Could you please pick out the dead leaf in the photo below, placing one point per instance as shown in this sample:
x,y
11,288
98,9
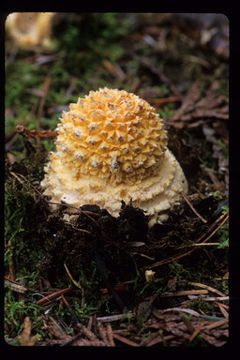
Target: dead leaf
x,y
196,110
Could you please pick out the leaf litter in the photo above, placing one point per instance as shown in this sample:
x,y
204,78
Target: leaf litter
x,y
107,257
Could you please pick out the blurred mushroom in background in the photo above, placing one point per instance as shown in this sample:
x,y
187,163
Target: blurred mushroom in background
x,y
30,29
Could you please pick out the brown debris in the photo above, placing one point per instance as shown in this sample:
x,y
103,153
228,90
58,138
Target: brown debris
x,y
176,330
125,340
85,342
188,328
25,339
204,238
155,318
54,328
157,71
115,70
85,337
102,333
110,335
88,333
212,174
212,106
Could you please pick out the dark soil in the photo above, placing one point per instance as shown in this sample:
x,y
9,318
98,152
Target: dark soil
x,y
106,258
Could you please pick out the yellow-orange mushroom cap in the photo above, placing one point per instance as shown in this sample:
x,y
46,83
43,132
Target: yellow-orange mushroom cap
x,y
29,29
112,146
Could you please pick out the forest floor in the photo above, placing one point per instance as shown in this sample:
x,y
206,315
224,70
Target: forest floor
x,y
87,285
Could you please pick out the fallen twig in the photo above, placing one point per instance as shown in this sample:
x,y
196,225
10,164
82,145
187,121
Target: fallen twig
x,y
223,310
216,298
54,328
110,335
188,311
88,333
25,339
187,292
66,303
70,340
209,288
196,331
57,342
90,321
111,318
77,284
14,286
102,333
193,209
157,102
124,340
20,129
52,296
217,324
86,342
181,255
160,339
205,244
188,103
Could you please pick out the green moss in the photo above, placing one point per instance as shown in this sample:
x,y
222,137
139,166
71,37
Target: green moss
x,y
224,86
83,312
225,149
199,305
179,271
223,232
19,77
81,43
167,111
16,310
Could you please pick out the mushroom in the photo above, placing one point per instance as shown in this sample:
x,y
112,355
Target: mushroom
x,y
112,146
30,28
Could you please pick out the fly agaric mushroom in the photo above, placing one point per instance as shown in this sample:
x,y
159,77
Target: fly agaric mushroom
x,y
112,146
30,28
